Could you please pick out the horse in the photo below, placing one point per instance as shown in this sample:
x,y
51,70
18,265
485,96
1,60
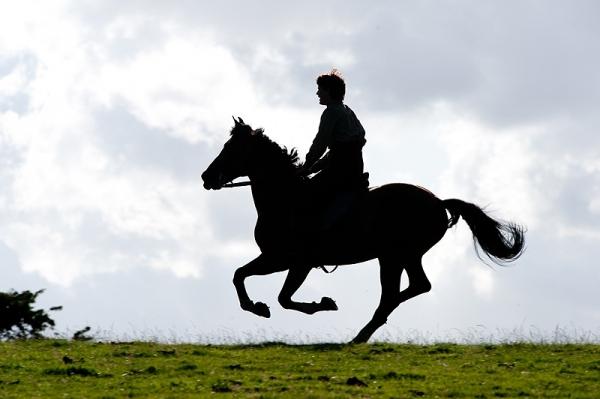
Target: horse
x,y
396,223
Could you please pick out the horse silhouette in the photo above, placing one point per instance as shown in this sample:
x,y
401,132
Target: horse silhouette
x,y
395,223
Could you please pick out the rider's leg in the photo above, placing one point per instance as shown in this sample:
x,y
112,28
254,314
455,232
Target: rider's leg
x,y
336,188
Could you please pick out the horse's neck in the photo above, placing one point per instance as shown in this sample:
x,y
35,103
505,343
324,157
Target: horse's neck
x,y
274,182
272,195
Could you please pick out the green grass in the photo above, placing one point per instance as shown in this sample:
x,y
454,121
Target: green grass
x,y
71,369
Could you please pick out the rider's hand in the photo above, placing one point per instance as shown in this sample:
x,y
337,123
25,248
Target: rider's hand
x,y
303,171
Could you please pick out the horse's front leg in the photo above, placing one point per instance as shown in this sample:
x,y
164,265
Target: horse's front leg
x,y
260,266
295,278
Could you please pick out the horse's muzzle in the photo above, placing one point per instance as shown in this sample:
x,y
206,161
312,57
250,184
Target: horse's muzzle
x,y
208,186
213,181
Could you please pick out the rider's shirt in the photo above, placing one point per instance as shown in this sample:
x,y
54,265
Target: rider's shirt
x,y
339,125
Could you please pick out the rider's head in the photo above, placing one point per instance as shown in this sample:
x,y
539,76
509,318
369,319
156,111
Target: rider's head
x,y
333,84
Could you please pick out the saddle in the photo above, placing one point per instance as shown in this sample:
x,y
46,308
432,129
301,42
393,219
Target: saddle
x,y
323,215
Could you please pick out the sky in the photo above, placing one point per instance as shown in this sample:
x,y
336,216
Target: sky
x,y
110,111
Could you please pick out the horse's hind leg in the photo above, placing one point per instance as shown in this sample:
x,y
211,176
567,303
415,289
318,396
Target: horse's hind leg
x,y
391,296
390,272
295,278
259,266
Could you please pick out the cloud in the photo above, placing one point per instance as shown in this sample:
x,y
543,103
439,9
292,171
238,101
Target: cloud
x,y
103,164
506,63
185,89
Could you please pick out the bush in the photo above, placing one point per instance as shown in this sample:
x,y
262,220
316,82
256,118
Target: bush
x,y
18,319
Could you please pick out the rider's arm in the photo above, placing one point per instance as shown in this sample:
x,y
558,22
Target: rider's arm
x,y
320,164
322,139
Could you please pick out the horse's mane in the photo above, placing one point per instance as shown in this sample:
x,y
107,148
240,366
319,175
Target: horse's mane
x,y
288,158
269,151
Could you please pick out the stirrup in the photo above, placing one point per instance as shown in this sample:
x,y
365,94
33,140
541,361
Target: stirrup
x,y
329,271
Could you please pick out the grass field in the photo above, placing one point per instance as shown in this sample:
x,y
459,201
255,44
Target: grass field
x,y
72,369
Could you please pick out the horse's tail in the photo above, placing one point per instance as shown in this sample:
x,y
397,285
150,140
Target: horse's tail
x,y
501,242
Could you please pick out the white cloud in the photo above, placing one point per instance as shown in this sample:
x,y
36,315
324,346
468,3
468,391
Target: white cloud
x,y
495,168
71,207
187,89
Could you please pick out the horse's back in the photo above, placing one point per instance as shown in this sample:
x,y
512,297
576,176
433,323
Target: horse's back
x,y
401,195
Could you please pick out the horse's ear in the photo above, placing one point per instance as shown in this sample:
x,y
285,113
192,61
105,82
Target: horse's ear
x,y
238,121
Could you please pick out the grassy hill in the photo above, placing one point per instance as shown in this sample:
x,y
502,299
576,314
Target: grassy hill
x,y
73,369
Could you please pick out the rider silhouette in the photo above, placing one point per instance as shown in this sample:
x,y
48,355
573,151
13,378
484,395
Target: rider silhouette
x,y
340,170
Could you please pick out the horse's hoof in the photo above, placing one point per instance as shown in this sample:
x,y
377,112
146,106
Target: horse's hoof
x,y
361,338
261,309
328,303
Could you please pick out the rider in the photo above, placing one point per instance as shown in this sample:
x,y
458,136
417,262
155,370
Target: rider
x,y
340,170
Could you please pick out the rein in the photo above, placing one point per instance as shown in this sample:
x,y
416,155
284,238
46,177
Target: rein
x,y
239,184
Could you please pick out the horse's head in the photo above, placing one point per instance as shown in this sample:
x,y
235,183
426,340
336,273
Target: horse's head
x,y
234,159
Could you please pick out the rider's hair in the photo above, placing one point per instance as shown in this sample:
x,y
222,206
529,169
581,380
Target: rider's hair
x,y
334,83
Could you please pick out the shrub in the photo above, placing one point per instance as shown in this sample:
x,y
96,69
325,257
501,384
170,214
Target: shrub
x,y
18,319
